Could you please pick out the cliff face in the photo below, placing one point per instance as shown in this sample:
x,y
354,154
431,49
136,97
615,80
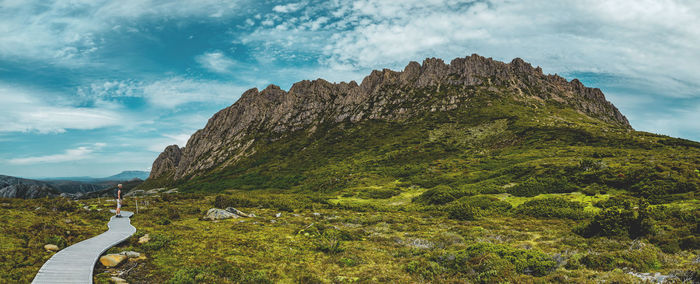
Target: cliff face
x,y
384,95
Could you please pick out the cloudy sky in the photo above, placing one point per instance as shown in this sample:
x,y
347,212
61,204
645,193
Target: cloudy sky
x,y
91,88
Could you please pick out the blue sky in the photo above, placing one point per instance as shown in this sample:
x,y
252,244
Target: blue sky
x,y
91,88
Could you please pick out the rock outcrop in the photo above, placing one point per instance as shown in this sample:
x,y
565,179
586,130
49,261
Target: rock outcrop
x,y
166,162
13,187
219,214
386,95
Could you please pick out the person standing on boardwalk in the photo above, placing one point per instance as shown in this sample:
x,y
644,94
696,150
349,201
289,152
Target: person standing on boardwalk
x,y
119,200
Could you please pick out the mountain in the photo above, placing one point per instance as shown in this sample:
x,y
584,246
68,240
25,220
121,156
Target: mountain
x,y
127,175
79,179
123,176
424,125
13,187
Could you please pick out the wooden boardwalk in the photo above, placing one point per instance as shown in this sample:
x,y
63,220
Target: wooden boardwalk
x,y
75,263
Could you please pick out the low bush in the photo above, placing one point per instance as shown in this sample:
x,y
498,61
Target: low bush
x,y
158,241
492,261
427,270
223,201
619,221
287,203
330,241
441,194
536,186
594,188
57,240
617,201
639,256
555,207
462,211
659,191
486,204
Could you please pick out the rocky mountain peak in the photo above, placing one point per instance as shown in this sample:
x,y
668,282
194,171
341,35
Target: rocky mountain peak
x,y
386,94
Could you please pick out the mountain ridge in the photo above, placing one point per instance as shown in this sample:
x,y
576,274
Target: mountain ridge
x,y
383,95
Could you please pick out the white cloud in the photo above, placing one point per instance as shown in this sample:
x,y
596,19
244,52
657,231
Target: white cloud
x,y
288,8
67,31
165,93
26,111
80,153
170,93
215,61
179,139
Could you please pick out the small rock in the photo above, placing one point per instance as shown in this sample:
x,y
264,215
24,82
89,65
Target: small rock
x,y
278,215
238,212
51,247
219,214
117,280
142,257
112,260
144,239
67,221
131,254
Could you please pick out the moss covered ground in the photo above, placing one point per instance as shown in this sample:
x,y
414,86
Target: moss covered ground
x,y
336,239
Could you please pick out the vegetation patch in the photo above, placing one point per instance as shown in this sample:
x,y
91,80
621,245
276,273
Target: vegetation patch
x,y
553,207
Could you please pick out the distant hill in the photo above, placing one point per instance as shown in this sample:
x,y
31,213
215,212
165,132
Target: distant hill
x,y
123,176
127,175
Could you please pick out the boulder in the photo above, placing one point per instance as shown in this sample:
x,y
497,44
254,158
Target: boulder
x,y
131,254
144,239
51,247
239,212
219,214
112,260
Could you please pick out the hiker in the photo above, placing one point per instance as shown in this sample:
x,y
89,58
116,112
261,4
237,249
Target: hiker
x,y
119,200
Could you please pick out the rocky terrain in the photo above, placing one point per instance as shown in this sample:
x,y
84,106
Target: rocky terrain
x,y
232,133
13,187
